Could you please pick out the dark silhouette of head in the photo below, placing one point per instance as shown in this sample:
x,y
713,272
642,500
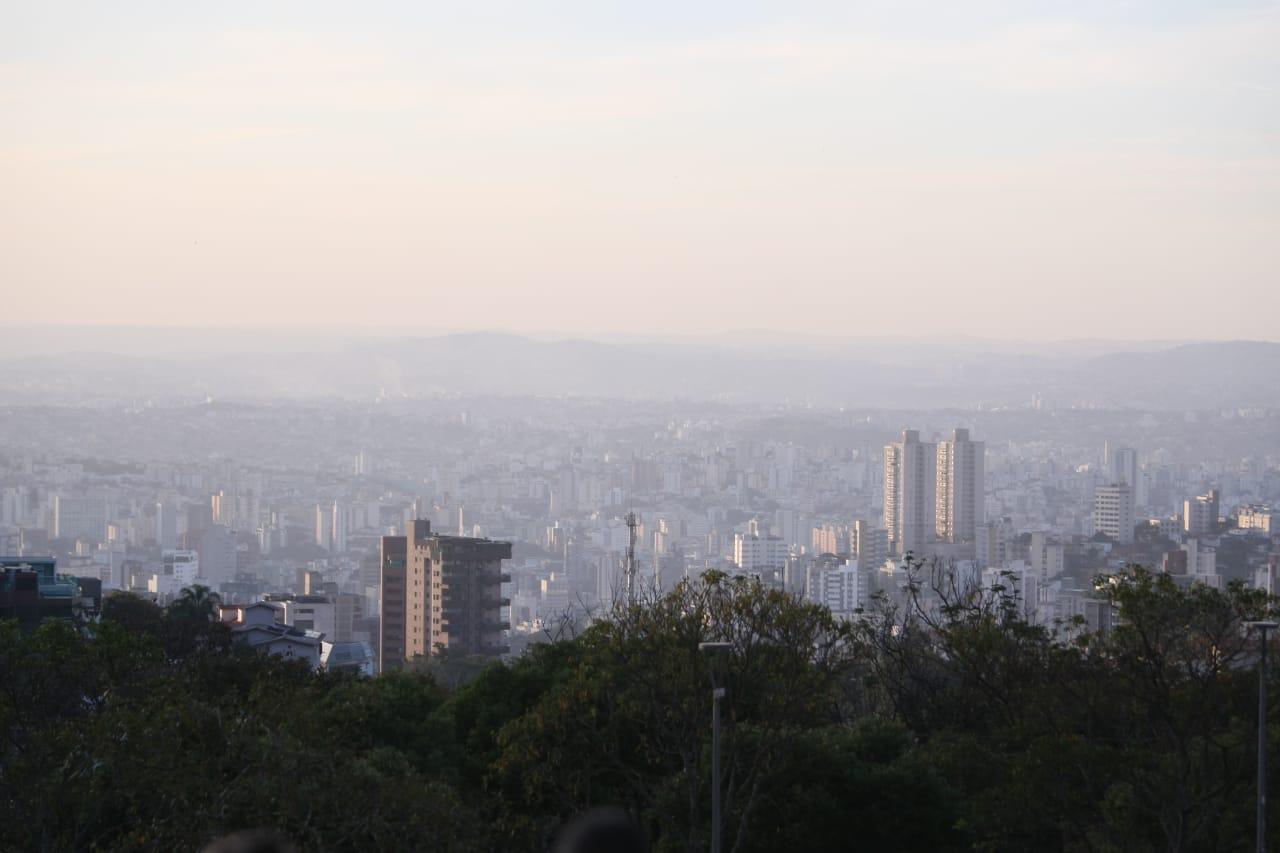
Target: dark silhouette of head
x,y
251,841
602,830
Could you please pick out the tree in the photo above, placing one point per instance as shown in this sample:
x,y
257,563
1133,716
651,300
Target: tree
x,y
195,603
856,787
629,723
944,720
112,745
1183,685
132,612
1133,739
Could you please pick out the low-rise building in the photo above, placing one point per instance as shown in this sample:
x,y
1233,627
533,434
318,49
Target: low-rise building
x,y
259,627
31,590
1258,518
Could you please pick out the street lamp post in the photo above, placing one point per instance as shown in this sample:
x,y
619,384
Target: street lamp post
x,y
1262,628
717,693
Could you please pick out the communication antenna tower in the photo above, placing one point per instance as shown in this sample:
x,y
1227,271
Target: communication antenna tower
x,y
629,569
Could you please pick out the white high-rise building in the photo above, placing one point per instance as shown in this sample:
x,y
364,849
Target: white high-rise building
x,y
992,542
1202,562
1200,514
219,557
310,613
842,590
1122,467
1258,517
178,569
80,518
166,524
754,554
109,559
14,506
323,529
961,488
1046,557
1121,463
1113,511
609,581
910,486
869,545
338,528
222,506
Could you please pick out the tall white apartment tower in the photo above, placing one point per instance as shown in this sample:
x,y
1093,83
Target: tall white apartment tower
x,y
1122,463
338,528
961,490
1200,514
1113,511
166,524
910,493
324,530
1122,467
1047,557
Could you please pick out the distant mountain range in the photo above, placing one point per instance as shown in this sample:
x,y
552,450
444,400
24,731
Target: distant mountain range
x,y
888,374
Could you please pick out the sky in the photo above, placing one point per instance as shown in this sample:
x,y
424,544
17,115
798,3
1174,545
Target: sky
x,y
1016,170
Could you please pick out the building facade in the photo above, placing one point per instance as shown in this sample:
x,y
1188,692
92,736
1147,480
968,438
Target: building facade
x,y
1258,517
753,554
1122,467
391,627
445,594
1200,514
80,518
1113,512
869,544
843,590
910,484
960,488
1046,557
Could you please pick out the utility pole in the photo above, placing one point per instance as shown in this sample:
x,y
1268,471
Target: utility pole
x,y
1262,629
716,651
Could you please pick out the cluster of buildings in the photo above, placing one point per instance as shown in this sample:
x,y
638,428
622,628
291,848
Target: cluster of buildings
x,y
400,528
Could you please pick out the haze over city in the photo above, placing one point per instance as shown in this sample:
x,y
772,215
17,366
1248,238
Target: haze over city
x,y
569,427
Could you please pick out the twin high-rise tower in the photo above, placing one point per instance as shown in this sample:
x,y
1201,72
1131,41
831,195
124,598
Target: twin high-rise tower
x,y
933,492
910,492
961,492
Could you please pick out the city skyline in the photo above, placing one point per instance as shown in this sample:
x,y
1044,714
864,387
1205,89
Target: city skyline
x,y
555,425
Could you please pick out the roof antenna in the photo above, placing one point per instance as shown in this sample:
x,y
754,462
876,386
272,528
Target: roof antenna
x,y
630,568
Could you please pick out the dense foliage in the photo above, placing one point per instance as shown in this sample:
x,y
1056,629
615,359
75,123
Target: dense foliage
x,y
951,727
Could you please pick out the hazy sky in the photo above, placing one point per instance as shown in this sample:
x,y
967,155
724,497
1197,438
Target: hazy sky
x,y
1016,169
